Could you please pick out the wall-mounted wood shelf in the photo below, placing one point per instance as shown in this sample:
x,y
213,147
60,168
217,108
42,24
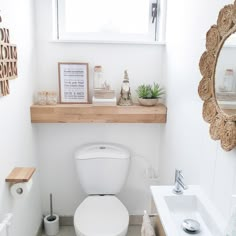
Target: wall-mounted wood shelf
x,y
87,113
20,174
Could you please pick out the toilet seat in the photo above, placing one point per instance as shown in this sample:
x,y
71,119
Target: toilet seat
x,y
101,216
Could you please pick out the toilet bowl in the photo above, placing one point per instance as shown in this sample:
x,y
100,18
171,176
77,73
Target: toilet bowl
x,y
102,170
101,216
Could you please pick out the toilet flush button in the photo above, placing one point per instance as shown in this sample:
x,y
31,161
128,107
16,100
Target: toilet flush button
x,y
102,147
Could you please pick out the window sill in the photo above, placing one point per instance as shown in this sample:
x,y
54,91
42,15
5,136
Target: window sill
x,y
160,43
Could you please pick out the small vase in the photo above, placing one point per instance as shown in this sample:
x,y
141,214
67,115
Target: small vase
x,y
148,102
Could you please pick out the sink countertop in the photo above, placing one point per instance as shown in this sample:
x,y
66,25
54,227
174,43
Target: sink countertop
x,y
162,193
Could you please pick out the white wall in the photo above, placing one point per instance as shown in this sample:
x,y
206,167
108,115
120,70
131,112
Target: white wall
x,y
185,139
57,145
57,142
17,136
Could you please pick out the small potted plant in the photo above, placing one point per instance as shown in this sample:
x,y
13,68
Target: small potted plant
x,y
148,95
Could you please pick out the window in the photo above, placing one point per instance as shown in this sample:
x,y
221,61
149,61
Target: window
x,y
109,20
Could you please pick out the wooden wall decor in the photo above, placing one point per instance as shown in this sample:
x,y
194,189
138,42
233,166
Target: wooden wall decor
x,y
222,125
8,60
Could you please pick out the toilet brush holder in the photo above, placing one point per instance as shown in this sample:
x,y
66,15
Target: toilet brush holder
x,y
51,224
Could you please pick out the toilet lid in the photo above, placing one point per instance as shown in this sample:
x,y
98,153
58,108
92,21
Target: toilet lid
x,y
101,215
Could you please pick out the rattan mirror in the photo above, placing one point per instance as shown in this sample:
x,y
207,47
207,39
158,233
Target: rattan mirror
x,y
222,122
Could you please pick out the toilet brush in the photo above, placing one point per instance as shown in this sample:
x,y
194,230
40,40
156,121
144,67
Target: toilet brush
x,y
51,217
51,221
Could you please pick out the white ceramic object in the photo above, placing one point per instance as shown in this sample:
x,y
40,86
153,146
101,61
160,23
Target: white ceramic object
x,y
51,227
148,102
102,168
114,220
192,204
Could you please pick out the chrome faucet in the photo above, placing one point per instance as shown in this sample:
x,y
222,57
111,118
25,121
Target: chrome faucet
x,y
179,185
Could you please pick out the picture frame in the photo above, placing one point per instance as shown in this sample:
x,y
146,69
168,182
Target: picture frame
x,y
73,82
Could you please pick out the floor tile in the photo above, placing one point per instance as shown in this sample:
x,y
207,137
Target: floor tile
x,y
133,230
65,231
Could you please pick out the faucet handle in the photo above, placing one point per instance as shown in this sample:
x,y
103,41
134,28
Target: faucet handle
x,y
178,174
181,175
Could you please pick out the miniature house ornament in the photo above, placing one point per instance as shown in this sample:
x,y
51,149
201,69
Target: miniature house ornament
x,y
125,94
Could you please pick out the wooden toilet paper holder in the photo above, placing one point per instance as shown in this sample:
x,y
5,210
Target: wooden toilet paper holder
x,y
20,175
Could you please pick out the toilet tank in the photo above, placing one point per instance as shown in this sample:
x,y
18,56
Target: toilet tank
x,y
102,168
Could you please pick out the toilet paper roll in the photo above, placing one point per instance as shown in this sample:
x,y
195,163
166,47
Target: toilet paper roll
x,y
20,190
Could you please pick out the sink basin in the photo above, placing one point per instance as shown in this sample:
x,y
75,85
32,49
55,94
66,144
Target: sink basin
x,y
193,204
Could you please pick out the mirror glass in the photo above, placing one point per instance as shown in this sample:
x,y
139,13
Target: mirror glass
x,y
225,77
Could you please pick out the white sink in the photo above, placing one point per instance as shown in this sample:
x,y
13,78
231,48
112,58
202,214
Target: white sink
x,y
173,209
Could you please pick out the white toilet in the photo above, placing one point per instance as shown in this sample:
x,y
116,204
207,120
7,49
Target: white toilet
x,y
102,171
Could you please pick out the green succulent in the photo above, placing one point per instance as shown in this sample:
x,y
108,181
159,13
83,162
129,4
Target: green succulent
x,y
149,92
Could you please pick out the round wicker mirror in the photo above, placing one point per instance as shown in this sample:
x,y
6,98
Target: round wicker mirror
x,y
222,123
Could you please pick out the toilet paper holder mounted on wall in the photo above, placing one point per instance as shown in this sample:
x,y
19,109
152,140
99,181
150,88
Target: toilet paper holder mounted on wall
x,y
18,178
20,175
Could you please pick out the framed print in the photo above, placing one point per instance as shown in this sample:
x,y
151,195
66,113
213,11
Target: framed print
x,y
73,82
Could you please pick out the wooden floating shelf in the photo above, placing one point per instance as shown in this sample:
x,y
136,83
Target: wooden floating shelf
x,y
87,113
20,174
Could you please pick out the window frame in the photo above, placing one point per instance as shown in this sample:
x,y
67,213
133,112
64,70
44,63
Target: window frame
x,y
156,35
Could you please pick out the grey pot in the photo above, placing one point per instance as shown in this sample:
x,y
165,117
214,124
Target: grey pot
x,y
148,102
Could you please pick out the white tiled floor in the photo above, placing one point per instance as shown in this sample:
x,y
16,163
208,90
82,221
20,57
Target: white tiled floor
x,y
69,231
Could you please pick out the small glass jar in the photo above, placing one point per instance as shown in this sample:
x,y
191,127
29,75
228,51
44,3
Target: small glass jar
x,y
228,82
98,82
42,98
51,98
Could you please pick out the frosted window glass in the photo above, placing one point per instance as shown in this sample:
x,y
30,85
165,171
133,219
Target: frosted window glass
x,y
115,16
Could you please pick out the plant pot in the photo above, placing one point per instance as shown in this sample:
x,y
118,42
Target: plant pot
x,y
148,102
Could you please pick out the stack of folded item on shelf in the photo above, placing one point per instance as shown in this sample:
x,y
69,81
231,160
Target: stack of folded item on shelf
x,y
104,97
